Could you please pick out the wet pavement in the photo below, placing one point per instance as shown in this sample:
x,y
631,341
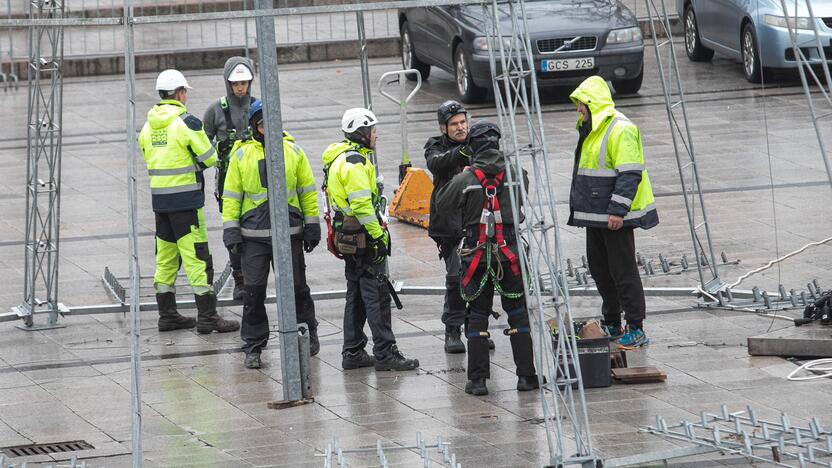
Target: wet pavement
x,y
201,407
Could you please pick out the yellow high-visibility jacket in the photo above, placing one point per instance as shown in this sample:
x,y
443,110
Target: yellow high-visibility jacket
x,y
245,208
176,151
351,184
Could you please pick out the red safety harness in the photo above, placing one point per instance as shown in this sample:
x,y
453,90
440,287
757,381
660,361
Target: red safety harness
x,y
490,209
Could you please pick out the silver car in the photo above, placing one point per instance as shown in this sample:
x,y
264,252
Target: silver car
x,y
755,32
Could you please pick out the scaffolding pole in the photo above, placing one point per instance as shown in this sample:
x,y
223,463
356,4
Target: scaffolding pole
x,y
43,173
132,228
278,205
804,65
674,98
517,100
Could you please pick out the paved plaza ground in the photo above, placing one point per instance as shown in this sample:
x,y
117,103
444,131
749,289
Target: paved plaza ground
x,y
201,407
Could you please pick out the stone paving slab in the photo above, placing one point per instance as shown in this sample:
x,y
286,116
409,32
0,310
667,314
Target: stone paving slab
x,y
202,407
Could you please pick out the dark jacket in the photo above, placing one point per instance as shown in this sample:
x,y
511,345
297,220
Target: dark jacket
x,y
465,195
444,162
215,125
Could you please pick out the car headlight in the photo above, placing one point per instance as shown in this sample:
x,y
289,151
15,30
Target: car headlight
x,y
481,43
622,36
792,22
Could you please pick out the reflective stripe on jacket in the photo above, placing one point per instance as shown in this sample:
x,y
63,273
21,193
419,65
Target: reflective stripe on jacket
x,y
245,212
176,151
609,176
351,184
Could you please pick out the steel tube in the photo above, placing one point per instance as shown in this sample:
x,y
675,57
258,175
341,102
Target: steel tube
x,y
132,228
278,204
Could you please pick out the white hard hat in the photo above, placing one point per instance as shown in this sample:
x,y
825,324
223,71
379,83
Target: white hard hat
x,y
240,73
171,80
357,117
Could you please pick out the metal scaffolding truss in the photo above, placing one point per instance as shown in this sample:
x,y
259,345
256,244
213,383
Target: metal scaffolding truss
x,y
804,67
674,97
518,106
43,172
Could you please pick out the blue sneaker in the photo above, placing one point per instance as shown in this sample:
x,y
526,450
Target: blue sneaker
x,y
614,331
634,338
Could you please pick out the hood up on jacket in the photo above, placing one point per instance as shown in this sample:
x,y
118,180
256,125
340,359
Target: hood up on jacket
x,y
230,64
595,94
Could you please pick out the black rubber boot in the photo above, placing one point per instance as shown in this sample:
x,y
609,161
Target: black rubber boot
x,y
169,318
527,382
356,359
239,285
453,341
395,361
252,361
476,387
314,344
208,319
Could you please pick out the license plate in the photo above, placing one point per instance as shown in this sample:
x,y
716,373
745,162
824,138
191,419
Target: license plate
x,y
567,64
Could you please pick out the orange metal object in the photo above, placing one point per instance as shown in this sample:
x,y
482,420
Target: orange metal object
x,y
411,203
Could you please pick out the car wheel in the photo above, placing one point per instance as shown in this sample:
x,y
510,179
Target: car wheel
x,y
409,59
630,86
468,91
750,57
693,45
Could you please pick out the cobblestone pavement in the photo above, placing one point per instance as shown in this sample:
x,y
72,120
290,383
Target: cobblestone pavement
x,y
201,407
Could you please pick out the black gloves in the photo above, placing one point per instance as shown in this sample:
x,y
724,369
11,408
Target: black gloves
x,y
379,248
311,237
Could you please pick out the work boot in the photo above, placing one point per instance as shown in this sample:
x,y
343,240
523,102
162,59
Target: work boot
x,y
208,319
476,387
169,318
252,361
395,361
527,382
239,285
356,359
453,341
314,344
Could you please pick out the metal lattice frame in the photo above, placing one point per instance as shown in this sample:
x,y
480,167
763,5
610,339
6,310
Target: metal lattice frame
x,y
518,105
804,67
43,173
677,117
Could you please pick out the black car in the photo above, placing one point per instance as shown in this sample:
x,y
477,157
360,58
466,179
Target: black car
x,y
571,39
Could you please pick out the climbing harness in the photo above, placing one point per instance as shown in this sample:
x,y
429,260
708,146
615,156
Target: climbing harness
x,y
491,241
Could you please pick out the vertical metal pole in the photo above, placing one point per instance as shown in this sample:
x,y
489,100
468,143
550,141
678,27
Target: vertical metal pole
x,y
132,227
245,30
403,120
798,56
278,203
365,64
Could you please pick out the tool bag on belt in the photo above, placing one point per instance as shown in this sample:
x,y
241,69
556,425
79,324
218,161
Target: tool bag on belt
x,y
351,238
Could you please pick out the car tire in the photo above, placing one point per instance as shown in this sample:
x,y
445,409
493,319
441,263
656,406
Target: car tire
x,y
409,59
750,55
629,86
469,92
693,43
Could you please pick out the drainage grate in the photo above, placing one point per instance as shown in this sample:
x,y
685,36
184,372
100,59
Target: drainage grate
x,y
46,449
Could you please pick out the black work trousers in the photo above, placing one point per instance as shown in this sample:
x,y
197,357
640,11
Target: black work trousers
x,y
476,324
257,260
453,310
368,302
611,256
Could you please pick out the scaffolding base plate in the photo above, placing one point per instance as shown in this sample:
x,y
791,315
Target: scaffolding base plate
x,y
812,340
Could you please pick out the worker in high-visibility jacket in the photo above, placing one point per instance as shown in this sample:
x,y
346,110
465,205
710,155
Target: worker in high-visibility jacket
x,y
611,196
352,189
176,151
247,229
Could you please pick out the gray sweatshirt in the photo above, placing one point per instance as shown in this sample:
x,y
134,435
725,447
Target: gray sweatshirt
x,y
214,120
